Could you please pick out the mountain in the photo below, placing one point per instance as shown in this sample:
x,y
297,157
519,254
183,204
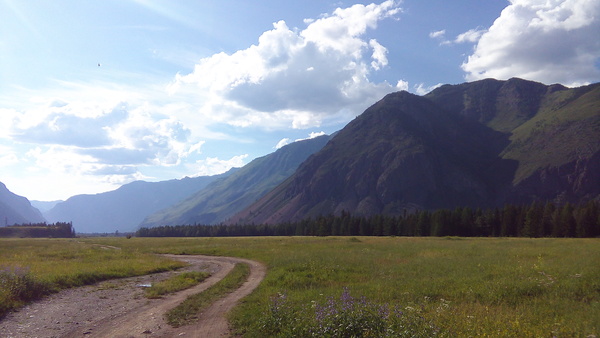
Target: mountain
x,y
44,206
124,208
554,135
478,144
222,199
15,209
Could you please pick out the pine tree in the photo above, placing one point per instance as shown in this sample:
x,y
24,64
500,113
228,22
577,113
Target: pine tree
x,y
547,219
533,221
567,221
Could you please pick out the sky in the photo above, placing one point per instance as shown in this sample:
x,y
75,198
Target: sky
x,y
96,94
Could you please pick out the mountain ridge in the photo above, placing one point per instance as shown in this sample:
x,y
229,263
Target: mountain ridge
x,y
223,198
124,208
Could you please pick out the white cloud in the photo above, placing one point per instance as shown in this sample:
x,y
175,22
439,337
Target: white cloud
x,y
122,134
316,134
195,148
553,41
283,142
72,162
472,35
311,135
421,89
402,85
438,34
292,77
214,165
379,55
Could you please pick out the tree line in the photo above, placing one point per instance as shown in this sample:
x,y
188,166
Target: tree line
x,y
534,220
54,230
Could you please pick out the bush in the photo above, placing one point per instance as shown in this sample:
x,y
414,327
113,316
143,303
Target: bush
x,y
18,286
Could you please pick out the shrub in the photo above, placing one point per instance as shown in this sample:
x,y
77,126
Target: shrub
x,y
18,286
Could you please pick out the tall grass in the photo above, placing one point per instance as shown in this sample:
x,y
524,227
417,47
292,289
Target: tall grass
x,y
31,268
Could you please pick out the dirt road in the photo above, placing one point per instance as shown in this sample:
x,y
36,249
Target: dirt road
x,y
118,308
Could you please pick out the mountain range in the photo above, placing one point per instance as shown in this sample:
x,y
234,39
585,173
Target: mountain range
x,y
223,198
124,208
478,144
205,199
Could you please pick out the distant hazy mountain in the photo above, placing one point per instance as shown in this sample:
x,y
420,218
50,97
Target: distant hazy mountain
x,y
123,209
15,209
223,198
44,206
484,143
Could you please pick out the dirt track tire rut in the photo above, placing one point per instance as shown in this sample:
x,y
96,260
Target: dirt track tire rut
x,y
89,311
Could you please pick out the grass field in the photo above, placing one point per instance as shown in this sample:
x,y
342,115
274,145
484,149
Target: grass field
x,y
454,286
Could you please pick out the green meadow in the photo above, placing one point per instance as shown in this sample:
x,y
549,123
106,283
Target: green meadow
x,y
444,286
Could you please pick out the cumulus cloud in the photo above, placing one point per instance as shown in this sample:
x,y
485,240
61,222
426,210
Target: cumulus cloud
x,y
437,34
119,135
470,36
214,165
59,127
379,55
283,142
63,159
402,85
286,141
553,41
315,134
59,172
294,77
422,89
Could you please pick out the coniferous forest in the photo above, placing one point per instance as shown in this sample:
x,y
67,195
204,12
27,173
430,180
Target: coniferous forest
x,y
534,220
54,230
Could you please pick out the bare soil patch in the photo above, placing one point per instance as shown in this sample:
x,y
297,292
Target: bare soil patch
x,y
118,308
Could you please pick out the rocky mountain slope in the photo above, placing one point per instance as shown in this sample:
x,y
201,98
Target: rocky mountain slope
x,y
15,209
484,143
223,198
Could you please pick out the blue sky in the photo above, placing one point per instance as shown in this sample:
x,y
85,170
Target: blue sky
x,y
96,94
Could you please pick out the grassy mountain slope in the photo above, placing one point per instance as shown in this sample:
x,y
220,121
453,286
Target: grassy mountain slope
x,y
543,121
553,137
553,130
223,198
483,143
